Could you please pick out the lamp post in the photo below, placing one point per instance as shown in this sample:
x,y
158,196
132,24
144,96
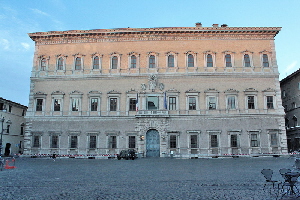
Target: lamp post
x,y
2,120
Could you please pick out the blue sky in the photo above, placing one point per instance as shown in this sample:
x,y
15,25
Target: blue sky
x,y
19,17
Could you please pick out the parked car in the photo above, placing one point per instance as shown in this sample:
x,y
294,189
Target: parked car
x,y
127,154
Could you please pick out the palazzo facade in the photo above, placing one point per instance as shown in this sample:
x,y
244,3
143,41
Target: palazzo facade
x,y
174,91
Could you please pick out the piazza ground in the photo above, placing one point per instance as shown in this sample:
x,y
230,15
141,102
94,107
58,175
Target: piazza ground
x,y
143,178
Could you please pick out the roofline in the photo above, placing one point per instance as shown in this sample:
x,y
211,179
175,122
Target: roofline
x,y
223,30
11,102
290,76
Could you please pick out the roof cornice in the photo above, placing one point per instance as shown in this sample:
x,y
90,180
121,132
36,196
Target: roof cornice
x,y
270,31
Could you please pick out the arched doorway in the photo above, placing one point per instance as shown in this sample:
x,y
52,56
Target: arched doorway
x,y
152,143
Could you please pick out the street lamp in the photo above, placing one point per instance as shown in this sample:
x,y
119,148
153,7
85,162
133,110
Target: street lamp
x,y
2,120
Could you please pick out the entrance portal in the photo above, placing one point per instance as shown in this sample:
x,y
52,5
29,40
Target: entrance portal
x,y
152,143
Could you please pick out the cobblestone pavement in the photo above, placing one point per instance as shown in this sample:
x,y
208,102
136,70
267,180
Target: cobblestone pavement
x,y
143,178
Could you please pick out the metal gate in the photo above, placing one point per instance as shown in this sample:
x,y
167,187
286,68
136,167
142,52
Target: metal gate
x,y
152,143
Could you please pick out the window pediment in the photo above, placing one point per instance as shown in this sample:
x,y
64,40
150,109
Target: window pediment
x,y
211,90
192,91
247,52
231,91
132,91
265,52
57,93
113,92
40,94
269,90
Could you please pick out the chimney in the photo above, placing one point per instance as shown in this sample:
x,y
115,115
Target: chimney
x,y
215,25
224,25
198,24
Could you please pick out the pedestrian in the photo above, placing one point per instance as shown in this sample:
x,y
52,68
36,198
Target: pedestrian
x,y
54,156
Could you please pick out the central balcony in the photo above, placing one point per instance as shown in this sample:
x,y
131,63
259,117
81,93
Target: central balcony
x,y
152,113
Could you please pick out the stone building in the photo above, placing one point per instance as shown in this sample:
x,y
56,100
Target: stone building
x,y
12,127
290,87
174,91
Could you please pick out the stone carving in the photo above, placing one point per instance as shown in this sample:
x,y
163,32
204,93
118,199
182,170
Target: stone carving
x,y
161,86
152,82
143,86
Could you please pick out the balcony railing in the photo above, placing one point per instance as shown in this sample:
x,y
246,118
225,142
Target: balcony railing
x,y
153,112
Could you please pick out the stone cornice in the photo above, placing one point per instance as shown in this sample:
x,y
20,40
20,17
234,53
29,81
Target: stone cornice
x,y
153,34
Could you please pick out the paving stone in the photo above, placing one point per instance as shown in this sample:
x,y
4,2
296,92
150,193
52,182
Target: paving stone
x,y
143,178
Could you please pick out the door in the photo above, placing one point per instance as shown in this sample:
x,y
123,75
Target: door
x,y
152,144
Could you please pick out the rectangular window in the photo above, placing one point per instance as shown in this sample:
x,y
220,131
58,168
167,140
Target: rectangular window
x,y
172,103
213,141
133,62
113,142
78,63
132,104
173,141
228,60
94,104
233,140
75,104
1,106
36,141
250,102
73,142
22,130
152,103
171,61
7,128
60,64
57,103
113,104
212,103
131,140
209,60
231,102
194,141
23,112
270,102
254,140
114,64
54,141
247,60
9,108
265,60
273,139
93,141
192,103
152,61
39,105
190,60
43,64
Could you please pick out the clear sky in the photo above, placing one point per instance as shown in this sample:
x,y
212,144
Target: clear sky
x,y
19,17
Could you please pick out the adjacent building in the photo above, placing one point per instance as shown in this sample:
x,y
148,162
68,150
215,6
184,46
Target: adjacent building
x,y
12,127
290,87
174,91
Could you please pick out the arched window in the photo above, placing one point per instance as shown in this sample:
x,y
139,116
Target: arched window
x,y
190,60
60,63
78,63
96,62
171,61
114,62
265,60
228,60
247,60
133,61
152,61
43,64
209,60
